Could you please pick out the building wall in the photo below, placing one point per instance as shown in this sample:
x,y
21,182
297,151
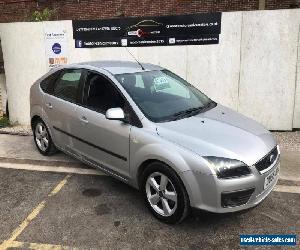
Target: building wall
x,y
268,66
252,69
215,69
19,10
296,121
24,62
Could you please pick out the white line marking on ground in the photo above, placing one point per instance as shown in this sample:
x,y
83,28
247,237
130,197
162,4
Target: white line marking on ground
x,y
289,178
287,189
56,169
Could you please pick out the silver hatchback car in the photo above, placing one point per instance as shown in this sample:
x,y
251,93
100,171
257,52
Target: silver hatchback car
x,y
153,130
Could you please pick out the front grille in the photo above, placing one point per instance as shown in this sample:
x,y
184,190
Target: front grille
x,y
267,161
236,198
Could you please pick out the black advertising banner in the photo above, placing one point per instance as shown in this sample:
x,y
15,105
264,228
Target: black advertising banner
x,y
196,29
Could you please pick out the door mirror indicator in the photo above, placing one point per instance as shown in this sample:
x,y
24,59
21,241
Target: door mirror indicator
x,y
115,114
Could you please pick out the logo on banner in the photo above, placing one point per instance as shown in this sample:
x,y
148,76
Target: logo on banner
x,y
56,48
172,40
78,43
124,42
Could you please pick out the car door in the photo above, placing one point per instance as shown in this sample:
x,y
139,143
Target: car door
x,y
102,142
60,107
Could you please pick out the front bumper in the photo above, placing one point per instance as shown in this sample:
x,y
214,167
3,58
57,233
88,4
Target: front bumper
x,y
205,191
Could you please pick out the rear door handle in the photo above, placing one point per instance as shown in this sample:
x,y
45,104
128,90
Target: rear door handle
x,y
49,105
84,119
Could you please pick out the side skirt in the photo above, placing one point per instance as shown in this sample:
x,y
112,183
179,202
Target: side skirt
x,y
95,165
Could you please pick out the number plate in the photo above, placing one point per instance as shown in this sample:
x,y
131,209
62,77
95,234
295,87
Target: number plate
x,y
271,178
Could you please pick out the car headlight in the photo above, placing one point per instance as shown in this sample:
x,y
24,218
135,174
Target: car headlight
x,y
228,168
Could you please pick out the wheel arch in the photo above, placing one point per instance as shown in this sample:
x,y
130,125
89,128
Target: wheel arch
x,y
143,159
168,169
143,167
166,153
34,119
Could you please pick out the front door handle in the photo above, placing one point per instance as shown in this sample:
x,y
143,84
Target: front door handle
x,y
84,119
49,105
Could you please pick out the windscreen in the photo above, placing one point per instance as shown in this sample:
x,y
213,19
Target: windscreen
x,y
161,94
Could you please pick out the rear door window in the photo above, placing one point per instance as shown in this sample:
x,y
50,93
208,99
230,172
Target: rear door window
x,y
67,85
48,82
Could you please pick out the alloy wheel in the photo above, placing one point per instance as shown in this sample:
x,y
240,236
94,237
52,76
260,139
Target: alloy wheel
x,y
161,194
41,137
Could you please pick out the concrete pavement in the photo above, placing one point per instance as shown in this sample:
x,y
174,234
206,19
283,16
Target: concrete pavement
x,y
23,148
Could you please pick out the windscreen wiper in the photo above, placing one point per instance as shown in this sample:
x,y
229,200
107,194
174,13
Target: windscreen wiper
x,y
193,111
186,112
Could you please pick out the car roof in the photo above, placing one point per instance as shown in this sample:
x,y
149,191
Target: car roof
x,y
119,67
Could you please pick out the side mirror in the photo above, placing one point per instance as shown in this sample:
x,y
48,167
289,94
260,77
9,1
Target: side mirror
x,y
115,114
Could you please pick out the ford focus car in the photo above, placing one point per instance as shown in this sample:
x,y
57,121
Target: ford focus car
x,y
151,129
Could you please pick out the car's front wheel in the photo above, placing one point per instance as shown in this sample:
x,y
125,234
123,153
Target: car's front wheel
x,y
164,193
42,138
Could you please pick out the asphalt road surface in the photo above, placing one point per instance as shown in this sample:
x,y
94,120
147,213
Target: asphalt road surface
x,y
46,210
59,203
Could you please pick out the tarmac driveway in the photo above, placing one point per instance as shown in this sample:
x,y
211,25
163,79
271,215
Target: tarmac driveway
x,y
99,212
59,203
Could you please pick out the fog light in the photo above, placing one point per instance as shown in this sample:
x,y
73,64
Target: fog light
x,y
236,198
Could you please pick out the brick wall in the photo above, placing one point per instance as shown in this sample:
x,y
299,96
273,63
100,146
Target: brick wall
x,y
282,4
19,10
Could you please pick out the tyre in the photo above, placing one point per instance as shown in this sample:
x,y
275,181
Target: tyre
x,y
42,138
164,193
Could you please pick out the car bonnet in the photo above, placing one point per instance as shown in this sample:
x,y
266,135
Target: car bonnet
x,y
220,132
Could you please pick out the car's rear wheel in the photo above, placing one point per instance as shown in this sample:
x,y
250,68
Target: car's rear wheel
x,y
164,193
42,138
